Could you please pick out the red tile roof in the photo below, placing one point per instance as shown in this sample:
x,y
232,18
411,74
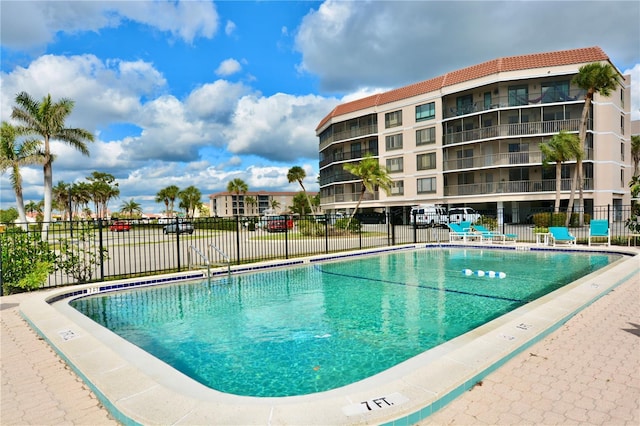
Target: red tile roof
x,y
512,63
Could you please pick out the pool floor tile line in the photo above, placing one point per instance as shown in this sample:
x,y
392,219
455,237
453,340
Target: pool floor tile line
x,y
628,414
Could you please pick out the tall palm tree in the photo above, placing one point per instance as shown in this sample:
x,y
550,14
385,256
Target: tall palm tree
x,y
190,200
81,196
297,174
558,150
103,188
60,196
597,77
162,197
372,175
131,208
12,157
237,186
635,154
168,196
46,119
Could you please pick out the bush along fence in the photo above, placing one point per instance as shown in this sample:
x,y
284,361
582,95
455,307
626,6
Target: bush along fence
x,y
98,250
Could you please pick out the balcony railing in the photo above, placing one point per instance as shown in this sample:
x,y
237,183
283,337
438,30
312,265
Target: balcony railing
x,y
451,110
346,156
512,187
354,132
518,129
348,197
500,159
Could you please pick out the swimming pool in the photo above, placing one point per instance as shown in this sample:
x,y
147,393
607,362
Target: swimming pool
x,y
312,328
137,388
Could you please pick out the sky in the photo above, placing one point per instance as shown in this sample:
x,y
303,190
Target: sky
x,y
202,92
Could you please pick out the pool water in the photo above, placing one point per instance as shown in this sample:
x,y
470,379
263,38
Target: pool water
x,y
313,328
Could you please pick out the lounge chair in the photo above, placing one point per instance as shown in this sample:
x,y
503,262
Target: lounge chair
x,y
561,234
491,236
457,233
599,228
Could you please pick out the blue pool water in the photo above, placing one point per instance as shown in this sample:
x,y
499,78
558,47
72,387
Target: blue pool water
x,y
313,328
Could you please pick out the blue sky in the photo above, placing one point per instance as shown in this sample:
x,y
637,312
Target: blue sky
x,y
199,92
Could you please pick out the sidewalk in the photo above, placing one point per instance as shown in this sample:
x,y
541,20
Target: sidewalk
x,y
586,372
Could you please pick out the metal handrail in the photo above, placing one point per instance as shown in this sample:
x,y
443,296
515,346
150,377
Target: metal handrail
x,y
206,260
224,255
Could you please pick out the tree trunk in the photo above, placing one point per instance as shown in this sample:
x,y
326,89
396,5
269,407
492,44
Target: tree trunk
x,y
48,197
583,144
364,189
574,182
22,215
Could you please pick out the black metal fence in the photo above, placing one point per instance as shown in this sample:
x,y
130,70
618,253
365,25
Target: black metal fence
x,y
90,251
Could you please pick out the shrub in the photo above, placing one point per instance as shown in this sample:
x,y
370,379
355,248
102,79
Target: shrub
x,y
491,223
79,257
354,226
309,228
20,252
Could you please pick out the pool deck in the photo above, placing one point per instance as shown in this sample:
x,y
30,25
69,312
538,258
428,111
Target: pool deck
x,y
582,370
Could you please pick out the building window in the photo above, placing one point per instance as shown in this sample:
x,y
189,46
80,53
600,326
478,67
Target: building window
x,y
518,95
426,111
554,91
393,142
395,165
397,187
427,161
426,136
464,104
487,100
393,119
622,151
622,178
622,98
426,185
622,124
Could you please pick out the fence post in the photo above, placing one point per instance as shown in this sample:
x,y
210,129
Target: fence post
x,y
237,219
101,247
177,219
326,233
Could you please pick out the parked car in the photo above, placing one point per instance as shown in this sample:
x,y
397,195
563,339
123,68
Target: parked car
x,y
463,214
276,225
180,227
120,226
428,215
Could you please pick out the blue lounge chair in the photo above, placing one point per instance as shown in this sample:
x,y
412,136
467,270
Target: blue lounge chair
x,y
599,228
561,234
491,236
457,233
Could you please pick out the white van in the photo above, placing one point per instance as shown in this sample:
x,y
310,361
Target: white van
x,y
428,215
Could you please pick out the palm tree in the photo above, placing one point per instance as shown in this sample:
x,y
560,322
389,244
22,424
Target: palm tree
x,y
595,78
558,150
81,196
60,197
372,175
13,156
162,197
46,119
168,196
274,204
635,154
130,208
103,188
33,207
297,174
237,186
190,200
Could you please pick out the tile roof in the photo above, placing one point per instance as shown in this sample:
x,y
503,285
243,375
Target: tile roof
x,y
512,63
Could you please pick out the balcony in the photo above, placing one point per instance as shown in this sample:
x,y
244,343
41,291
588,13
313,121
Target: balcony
x,y
352,133
500,159
346,156
516,130
512,187
497,102
348,197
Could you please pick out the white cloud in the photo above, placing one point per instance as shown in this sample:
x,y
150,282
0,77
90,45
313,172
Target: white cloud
x,y
230,28
33,24
435,37
228,67
280,127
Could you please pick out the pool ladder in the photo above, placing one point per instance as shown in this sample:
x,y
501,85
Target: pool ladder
x,y
207,260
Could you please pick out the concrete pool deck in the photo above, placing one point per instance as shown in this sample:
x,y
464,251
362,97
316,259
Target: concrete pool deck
x,y
586,371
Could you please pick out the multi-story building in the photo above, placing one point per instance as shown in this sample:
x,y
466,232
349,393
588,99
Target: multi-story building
x,y
472,138
227,204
